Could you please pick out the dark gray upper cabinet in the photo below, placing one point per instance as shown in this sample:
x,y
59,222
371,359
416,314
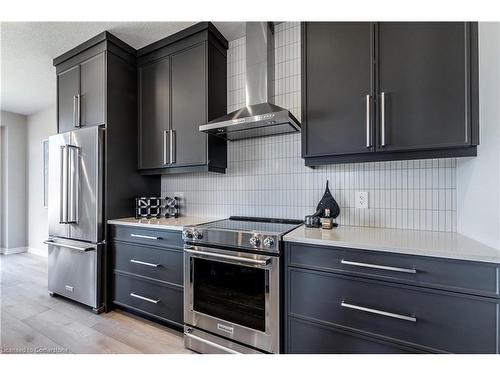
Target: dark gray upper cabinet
x,y
422,78
338,122
182,85
68,87
189,107
92,90
154,114
81,95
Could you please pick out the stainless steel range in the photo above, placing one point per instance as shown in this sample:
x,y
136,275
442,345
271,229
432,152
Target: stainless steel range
x,y
232,282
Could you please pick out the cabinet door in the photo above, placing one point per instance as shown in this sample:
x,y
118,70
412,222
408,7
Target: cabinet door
x,y
68,87
423,74
189,107
154,112
92,90
338,69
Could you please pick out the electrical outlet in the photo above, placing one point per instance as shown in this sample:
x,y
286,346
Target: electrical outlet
x,y
361,199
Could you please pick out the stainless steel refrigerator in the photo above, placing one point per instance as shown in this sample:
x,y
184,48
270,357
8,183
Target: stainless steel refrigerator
x,y
76,241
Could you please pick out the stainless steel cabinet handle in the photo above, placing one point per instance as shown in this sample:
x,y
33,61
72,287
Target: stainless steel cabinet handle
x,y
82,249
382,118
75,122
380,267
229,257
155,301
379,312
368,137
172,147
79,111
165,161
212,344
144,263
144,236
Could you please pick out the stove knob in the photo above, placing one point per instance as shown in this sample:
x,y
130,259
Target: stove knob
x,y
197,235
269,242
255,241
186,234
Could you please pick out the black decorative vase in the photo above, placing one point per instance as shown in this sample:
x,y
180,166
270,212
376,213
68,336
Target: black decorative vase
x,y
328,202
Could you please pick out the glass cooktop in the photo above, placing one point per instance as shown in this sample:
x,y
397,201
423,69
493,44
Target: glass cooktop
x,y
253,224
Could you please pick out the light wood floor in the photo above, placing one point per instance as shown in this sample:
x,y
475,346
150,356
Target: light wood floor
x,y
33,322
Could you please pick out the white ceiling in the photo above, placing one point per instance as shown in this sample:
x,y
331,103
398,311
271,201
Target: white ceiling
x,y
28,82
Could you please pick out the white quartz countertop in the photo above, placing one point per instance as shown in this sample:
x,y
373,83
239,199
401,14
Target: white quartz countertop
x,y
424,243
162,223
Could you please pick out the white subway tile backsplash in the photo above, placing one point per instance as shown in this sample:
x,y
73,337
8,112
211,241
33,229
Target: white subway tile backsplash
x,y
267,176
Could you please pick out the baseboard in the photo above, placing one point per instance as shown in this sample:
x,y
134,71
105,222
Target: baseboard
x,y
39,252
14,250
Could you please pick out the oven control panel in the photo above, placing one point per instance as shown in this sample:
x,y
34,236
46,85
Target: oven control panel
x,y
246,240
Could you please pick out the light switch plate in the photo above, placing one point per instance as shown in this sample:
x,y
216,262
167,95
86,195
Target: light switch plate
x,y
361,199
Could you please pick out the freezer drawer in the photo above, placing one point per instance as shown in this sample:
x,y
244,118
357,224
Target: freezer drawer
x,y
74,271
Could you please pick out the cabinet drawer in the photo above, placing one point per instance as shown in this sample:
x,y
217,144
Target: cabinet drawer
x,y
311,338
162,302
157,263
443,321
457,275
146,236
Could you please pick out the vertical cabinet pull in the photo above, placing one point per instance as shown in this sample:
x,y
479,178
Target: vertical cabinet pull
x,y
368,135
79,111
75,104
172,147
165,161
382,118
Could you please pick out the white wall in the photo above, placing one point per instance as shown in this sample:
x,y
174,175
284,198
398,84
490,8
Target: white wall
x,y
40,126
14,182
478,179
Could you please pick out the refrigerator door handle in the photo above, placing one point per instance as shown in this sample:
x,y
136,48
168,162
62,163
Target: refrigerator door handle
x,y
73,182
70,181
63,192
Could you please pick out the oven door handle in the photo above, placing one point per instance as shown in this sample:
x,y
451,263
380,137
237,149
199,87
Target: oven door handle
x,y
255,262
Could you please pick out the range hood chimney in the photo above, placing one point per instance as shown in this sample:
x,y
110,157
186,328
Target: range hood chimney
x,y
260,117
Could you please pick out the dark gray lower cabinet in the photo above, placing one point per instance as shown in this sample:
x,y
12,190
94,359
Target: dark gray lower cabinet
x,y
147,276
307,337
333,310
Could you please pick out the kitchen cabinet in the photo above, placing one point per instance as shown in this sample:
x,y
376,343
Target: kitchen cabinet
x,y
388,91
189,106
154,96
182,85
147,273
336,101
411,305
68,87
81,94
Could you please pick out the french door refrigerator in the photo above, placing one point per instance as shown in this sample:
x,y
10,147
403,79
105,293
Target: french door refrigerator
x,y
76,220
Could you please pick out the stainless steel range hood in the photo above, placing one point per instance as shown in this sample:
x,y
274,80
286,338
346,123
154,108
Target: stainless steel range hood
x,y
260,117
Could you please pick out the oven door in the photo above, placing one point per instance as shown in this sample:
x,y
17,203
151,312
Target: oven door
x,y
233,295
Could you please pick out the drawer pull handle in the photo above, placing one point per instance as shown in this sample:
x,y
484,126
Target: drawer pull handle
x,y
379,312
379,267
144,263
146,237
155,301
